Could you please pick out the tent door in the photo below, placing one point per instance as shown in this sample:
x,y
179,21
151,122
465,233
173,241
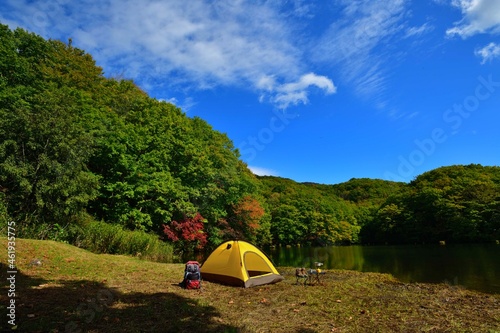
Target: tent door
x,y
255,265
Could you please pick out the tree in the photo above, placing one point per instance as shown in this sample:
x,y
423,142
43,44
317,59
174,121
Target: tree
x,y
187,234
244,218
44,144
452,204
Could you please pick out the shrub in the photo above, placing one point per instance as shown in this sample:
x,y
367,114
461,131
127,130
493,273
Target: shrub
x,y
101,237
4,216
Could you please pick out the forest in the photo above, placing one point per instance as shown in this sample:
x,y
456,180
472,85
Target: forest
x,y
79,150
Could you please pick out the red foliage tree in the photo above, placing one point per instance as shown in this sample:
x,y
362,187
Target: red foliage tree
x,y
188,232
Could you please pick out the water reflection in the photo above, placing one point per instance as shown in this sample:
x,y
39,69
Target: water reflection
x,y
474,266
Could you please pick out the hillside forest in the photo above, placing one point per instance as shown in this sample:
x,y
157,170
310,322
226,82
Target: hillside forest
x,y
79,150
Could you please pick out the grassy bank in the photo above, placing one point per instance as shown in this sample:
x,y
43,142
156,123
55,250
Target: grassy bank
x,y
74,290
99,237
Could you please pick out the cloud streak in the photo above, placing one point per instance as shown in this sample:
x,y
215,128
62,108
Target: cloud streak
x,y
356,43
418,31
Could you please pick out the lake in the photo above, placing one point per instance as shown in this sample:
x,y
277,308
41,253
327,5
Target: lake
x,y
473,266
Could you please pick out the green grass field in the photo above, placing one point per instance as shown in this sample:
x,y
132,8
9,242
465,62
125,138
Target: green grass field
x,y
74,290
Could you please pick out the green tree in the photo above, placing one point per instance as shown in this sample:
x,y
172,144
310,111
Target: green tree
x,y
44,145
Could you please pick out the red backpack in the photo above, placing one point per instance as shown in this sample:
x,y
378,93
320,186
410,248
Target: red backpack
x,y
192,276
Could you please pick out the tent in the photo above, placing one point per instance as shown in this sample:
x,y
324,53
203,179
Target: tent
x,y
239,263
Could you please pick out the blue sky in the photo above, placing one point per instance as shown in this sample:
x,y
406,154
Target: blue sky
x,y
317,91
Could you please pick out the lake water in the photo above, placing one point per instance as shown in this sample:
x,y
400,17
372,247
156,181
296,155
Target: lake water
x,y
473,266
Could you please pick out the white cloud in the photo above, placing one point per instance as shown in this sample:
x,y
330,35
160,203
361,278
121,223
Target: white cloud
x,y
294,93
266,83
488,53
262,171
170,43
479,16
284,100
308,80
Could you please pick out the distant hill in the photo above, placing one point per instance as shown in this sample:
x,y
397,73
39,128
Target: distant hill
x,y
459,203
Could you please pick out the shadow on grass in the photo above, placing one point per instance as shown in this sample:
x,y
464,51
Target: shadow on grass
x,y
88,306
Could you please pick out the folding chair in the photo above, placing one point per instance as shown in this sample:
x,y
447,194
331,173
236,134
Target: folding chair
x,y
301,273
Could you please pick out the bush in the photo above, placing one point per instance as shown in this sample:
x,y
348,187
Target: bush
x,y
4,216
101,237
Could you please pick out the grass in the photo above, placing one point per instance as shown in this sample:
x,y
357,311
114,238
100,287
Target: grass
x,y
74,290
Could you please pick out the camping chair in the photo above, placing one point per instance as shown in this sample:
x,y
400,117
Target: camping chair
x,y
301,273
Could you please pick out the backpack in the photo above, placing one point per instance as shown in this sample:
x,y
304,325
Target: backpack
x,y
192,276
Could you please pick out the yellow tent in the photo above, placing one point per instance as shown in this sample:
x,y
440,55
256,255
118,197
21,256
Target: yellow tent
x,y
241,264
